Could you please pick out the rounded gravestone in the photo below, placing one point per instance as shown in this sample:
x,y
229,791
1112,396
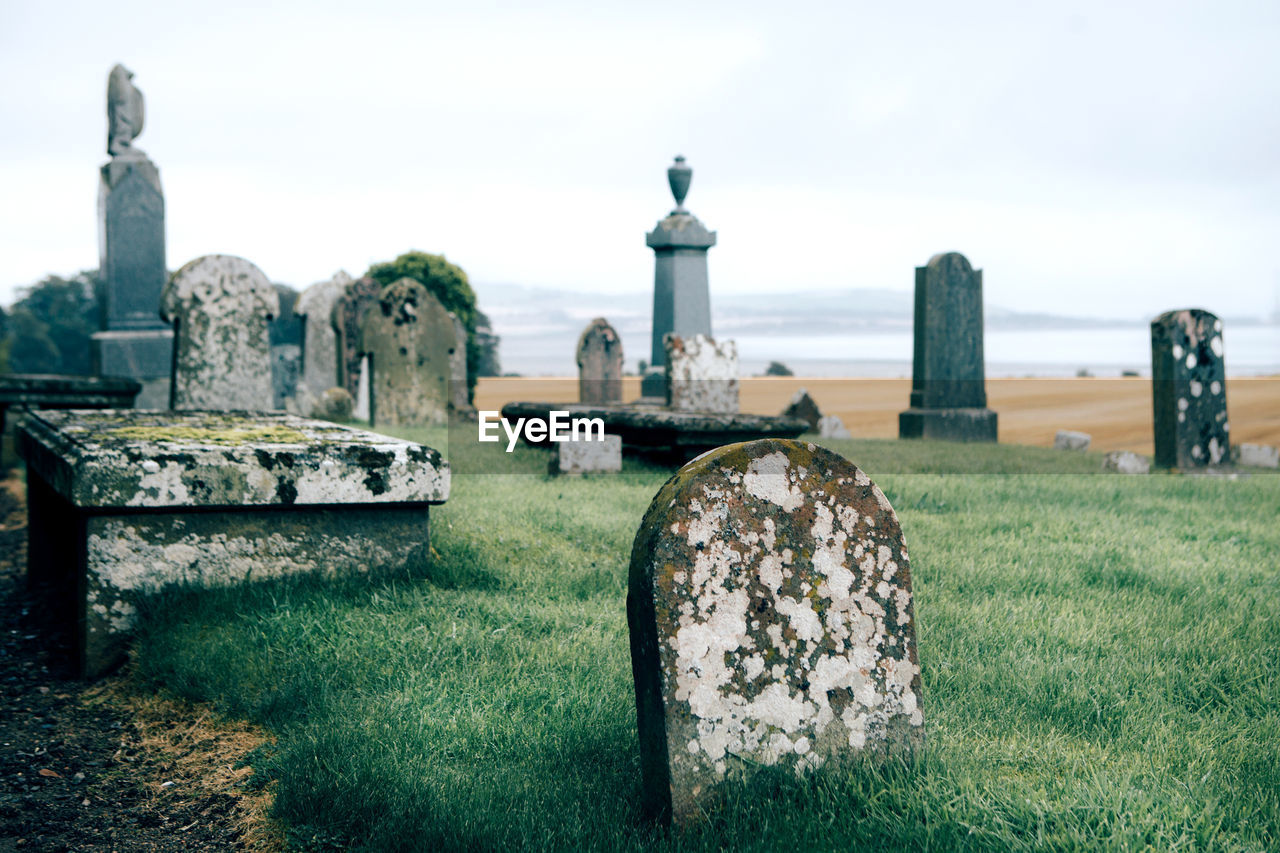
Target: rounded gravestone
x,y
771,621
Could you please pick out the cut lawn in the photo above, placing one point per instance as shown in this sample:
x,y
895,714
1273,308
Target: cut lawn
x,y
1100,658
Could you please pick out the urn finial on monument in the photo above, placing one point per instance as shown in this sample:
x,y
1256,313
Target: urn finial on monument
x,y
678,177
681,297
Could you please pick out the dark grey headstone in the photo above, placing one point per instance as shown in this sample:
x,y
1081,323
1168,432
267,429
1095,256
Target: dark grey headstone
x,y
948,385
348,314
1189,390
681,295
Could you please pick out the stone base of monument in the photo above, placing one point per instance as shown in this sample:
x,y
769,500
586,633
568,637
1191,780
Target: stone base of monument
x,y
654,430
144,354
948,424
125,504
575,458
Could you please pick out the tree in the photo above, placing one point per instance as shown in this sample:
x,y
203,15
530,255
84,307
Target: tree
x,y
777,368
50,326
448,283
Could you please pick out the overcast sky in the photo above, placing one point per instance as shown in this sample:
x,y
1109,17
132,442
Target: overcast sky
x,y
1095,158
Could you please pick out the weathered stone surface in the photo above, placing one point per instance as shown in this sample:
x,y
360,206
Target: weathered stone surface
x,y
599,364
702,375
1066,439
588,457
458,397
771,622
804,407
285,334
1188,390
1257,456
681,294
141,501
948,383
348,314
220,306
142,354
44,391
205,459
131,248
409,338
1126,462
650,429
319,343
830,426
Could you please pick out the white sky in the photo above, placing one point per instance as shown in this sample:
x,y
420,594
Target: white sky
x,y
1095,158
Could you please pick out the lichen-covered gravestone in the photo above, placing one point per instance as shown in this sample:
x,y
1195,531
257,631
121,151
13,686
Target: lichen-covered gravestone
x,y
319,343
702,375
804,407
348,313
220,306
771,622
948,379
410,340
1188,390
599,364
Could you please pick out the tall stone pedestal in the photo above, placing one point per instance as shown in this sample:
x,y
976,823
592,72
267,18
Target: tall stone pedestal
x,y
681,298
134,341
948,382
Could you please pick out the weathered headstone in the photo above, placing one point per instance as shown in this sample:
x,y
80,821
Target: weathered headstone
x,y
132,340
830,426
335,404
1188,390
1126,462
948,383
771,622
285,333
681,295
804,407
599,364
220,306
1257,456
588,457
348,312
319,343
410,340
458,395
1067,439
702,375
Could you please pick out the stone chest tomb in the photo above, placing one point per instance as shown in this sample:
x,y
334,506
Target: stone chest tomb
x,y
771,622
123,504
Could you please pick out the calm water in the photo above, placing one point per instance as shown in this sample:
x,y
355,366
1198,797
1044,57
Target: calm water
x,y
1250,351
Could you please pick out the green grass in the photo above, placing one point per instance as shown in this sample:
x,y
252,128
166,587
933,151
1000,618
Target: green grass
x,y
1100,656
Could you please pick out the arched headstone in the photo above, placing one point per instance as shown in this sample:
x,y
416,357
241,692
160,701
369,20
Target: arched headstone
x,y
319,343
220,306
771,621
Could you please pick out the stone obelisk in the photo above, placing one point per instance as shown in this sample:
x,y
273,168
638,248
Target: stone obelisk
x,y
681,299
133,340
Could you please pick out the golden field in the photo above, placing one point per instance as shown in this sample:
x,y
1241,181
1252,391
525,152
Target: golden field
x,y
1116,412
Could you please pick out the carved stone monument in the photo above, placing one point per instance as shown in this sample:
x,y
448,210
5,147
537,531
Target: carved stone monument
x,y
132,340
319,343
599,364
771,623
220,306
1189,390
948,382
702,375
681,298
410,340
